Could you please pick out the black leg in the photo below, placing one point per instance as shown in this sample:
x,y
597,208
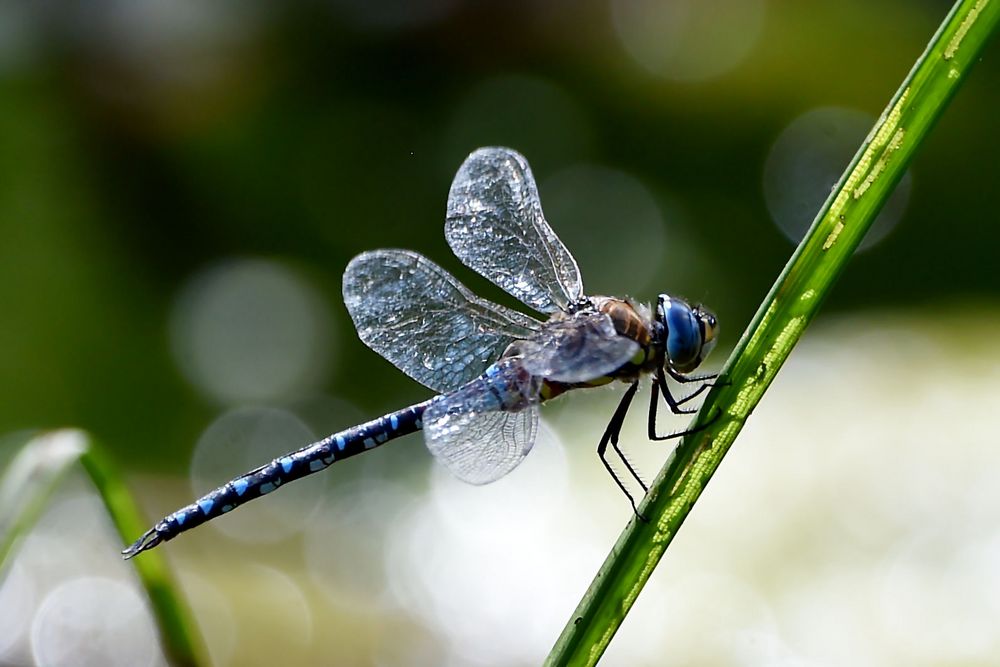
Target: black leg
x,y
615,428
611,434
674,406
621,455
694,394
659,384
706,378
654,403
691,378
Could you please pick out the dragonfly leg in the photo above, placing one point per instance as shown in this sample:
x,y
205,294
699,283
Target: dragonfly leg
x,y
658,385
673,404
654,402
615,428
611,434
694,394
701,377
705,379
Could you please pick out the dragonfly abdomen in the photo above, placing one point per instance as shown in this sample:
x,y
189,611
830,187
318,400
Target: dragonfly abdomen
x,y
287,468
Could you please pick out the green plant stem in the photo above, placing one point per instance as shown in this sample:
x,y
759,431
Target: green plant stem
x,y
25,490
789,307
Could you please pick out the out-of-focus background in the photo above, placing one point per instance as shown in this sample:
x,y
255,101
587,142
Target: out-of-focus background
x,y
182,184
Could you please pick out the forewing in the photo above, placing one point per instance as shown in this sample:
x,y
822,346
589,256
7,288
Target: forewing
x,y
496,227
420,318
484,430
578,348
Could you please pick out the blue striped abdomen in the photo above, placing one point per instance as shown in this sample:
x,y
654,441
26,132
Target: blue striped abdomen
x,y
280,471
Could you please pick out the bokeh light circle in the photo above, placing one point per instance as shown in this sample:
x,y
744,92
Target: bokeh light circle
x,y
251,330
583,202
713,618
244,439
94,621
20,37
17,600
214,615
688,40
935,600
278,601
536,489
181,43
808,158
344,547
467,559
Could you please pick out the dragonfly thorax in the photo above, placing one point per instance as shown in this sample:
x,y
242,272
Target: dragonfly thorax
x,y
635,322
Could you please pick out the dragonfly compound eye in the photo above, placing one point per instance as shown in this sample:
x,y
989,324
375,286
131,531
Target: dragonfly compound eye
x,y
685,333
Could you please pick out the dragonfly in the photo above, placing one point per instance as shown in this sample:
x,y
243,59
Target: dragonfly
x,y
490,366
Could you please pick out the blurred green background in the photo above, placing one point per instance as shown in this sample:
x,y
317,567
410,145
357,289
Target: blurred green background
x,y
182,184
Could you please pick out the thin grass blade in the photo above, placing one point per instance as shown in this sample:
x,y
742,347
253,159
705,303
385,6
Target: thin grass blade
x,y
28,485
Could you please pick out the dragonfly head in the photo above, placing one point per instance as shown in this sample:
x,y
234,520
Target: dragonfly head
x,y
688,333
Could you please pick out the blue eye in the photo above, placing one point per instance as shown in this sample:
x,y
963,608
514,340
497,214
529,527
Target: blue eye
x,y
687,333
683,334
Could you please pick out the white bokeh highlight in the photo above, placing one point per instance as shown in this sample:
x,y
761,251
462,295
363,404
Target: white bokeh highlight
x,y
688,40
805,163
94,621
244,439
350,571
181,45
251,330
583,202
475,562
214,615
17,599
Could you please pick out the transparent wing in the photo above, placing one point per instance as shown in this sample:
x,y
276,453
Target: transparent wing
x,y
483,430
482,447
577,348
496,227
420,318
